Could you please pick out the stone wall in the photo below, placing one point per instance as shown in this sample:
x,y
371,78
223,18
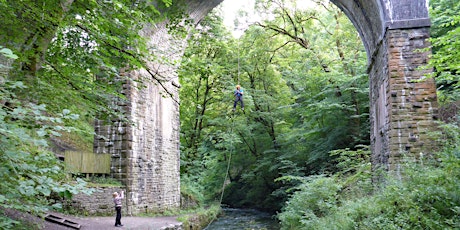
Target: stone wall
x,y
98,203
403,101
378,109
153,163
5,66
145,151
402,109
412,101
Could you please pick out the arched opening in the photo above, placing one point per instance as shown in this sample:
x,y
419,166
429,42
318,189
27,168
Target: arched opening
x,y
368,18
144,151
382,27
390,37
303,71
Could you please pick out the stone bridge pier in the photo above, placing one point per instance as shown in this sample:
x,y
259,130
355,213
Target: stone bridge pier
x,y
145,150
403,104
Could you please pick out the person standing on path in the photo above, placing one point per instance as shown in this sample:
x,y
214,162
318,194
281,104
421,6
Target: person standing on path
x,y
238,97
117,201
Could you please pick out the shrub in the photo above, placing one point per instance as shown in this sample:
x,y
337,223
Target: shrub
x,y
425,195
313,199
29,172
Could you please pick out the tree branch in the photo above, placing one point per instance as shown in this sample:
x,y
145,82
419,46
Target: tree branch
x,y
140,59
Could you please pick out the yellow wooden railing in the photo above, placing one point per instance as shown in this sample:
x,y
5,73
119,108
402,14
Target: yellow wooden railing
x,y
84,162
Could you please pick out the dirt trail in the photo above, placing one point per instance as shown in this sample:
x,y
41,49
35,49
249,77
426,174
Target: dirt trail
x,y
97,223
107,223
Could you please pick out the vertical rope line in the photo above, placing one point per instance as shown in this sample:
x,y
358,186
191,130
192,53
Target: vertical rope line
x,y
228,163
227,171
238,45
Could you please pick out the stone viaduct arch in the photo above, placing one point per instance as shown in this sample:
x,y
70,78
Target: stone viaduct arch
x,y
145,152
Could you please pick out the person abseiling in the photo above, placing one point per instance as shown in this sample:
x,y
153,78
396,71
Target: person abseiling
x,y
238,97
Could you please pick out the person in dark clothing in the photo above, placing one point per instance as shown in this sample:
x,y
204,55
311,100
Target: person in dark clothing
x,y
117,201
238,97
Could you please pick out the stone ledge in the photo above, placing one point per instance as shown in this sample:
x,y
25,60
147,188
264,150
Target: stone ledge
x,y
98,203
408,24
172,227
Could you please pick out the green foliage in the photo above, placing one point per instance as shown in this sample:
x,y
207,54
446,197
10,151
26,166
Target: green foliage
x,y
192,190
325,73
29,172
204,75
300,103
423,195
70,56
75,53
446,46
199,218
350,161
91,50
315,198
7,53
7,223
318,197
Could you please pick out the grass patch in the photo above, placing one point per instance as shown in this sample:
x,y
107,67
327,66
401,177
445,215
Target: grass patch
x,y
200,217
103,182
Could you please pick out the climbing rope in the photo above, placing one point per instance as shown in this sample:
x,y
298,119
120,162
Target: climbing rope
x,y
228,163
232,148
238,48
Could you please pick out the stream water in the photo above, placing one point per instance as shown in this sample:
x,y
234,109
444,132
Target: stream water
x,y
241,219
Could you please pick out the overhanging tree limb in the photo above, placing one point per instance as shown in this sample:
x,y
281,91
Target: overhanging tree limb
x,y
140,60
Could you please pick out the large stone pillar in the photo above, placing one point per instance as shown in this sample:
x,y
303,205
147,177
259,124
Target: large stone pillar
x,y
145,149
403,99
412,102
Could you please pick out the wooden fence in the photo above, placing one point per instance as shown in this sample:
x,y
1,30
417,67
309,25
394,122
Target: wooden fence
x,y
88,162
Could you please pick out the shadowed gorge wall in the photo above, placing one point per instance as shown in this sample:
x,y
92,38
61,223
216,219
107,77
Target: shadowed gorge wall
x,y
145,151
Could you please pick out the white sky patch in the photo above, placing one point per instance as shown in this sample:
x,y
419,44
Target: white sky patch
x,y
230,10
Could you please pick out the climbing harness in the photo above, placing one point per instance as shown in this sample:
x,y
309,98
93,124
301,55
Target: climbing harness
x,y
238,93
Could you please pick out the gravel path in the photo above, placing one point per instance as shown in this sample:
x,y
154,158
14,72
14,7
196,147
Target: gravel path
x,y
107,223
97,223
